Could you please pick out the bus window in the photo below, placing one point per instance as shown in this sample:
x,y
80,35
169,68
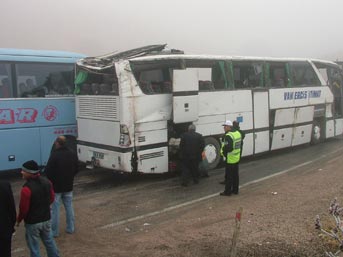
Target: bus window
x,y
277,75
205,83
5,80
98,84
221,76
247,74
302,74
43,79
336,82
156,81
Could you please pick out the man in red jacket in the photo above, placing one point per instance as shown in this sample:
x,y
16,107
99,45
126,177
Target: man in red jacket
x,y
34,208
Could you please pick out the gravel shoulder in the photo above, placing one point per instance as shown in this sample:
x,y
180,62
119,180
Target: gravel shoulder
x,y
278,220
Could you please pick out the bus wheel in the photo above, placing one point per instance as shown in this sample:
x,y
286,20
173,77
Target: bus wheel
x,y
317,132
212,152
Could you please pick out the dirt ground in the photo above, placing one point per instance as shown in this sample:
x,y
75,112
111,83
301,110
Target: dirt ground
x,y
278,220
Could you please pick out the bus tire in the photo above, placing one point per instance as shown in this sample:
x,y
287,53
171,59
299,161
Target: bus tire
x,y
317,135
212,152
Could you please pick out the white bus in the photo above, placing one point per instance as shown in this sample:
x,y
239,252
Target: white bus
x,y
134,105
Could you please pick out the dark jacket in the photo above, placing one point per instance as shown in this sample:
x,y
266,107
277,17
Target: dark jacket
x,y
61,169
40,200
7,210
191,146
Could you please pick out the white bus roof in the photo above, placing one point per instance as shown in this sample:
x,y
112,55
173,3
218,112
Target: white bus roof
x,y
156,52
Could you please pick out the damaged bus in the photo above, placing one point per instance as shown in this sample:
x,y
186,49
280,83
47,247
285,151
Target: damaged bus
x,y
132,106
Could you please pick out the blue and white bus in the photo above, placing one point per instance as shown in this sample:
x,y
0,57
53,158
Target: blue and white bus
x,y
36,104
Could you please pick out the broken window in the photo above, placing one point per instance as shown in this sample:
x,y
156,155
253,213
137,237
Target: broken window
x,y
302,74
96,83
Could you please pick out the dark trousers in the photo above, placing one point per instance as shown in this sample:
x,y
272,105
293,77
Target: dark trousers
x,y
190,168
5,246
231,178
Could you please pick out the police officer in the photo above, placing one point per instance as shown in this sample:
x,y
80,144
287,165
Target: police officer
x,y
231,152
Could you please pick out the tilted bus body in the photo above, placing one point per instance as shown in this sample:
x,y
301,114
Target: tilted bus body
x,y
36,104
133,106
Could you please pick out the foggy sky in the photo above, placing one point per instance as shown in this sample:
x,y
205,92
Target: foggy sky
x,y
287,28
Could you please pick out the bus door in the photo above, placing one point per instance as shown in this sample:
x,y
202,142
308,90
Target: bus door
x,y
185,95
261,121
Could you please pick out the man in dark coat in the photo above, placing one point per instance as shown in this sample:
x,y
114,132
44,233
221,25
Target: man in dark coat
x,y
7,218
191,147
61,168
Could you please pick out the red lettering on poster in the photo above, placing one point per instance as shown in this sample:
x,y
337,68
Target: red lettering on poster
x,y
6,116
27,115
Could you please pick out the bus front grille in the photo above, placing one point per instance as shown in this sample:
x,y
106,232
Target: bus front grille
x,y
98,107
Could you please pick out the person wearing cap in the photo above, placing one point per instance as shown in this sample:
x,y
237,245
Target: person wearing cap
x,y
61,168
191,147
231,152
36,196
235,125
7,218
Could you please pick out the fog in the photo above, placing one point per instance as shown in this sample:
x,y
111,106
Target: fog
x,y
290,28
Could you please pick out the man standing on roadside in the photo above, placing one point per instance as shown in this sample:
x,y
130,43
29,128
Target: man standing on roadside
x,y
231,152
34,208
191,147
61,168
7,218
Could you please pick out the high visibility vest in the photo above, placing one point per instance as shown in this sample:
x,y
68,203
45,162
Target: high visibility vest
x,y
235,155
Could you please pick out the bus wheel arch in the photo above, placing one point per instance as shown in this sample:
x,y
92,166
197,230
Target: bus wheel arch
x,y
212,152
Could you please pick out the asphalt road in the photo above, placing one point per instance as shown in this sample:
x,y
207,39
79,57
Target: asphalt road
x,y
127,198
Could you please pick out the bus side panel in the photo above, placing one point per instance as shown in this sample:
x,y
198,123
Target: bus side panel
x,y
284,117
261,142
338,127
304,114
153,160
19,146
33,112
248,145
261,110
99,131
210,125
261,122
330,129
48,136
301,135
282,138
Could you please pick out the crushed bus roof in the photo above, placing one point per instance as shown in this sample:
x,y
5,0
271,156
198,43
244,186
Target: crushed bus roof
x,y
106,61
161,52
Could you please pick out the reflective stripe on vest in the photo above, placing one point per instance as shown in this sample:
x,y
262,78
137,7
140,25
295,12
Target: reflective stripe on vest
x,y
235,155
